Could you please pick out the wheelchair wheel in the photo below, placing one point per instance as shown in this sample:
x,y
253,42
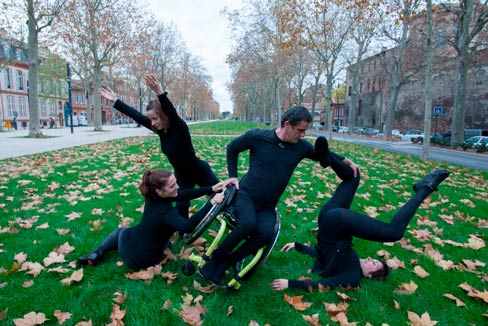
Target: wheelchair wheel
x,y
230,192
266,252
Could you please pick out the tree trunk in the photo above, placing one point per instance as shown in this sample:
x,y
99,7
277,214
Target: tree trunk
x,y
462,62
34,62
428,83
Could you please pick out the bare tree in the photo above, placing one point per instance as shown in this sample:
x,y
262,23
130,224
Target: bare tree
x,y
428,81
40,16
471,18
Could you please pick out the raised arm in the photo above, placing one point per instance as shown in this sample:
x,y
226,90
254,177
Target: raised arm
x,y
168,108
120,106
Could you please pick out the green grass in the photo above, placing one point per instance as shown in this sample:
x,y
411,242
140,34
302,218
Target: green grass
x,y
38,192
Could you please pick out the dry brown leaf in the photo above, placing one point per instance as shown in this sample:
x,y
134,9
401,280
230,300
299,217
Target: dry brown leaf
x,y
169,277
253,323
406,288
20,258
119,297
116,313
423,320
73,216
297,303
475,242
3,314
84,323
395,263
33,268
27,284
53,258
473,264
43,226
312,320
459,303
145,274
62,316
75,277
65,249
166,305
420,272
472,292
192,315
187,299
204,289
230,310
396,304
31,319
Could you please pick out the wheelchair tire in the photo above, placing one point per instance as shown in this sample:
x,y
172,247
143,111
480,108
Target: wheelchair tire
x,y
267,251
189,238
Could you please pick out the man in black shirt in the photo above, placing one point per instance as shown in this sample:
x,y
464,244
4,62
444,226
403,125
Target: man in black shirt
x,y
274,154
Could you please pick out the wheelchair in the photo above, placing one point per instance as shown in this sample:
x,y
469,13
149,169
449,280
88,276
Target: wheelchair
x,y
225,218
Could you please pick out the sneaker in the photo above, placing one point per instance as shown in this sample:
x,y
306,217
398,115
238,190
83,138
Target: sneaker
x,y
431,180
91,259
322,150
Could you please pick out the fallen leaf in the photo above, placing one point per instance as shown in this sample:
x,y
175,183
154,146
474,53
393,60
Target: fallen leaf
x,y
62,316
192,315
296,302
119,297
75,277
423,320
31,319
204,289
420,272
459,303
312,320
406,288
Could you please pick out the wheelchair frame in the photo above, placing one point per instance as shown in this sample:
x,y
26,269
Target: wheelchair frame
x,y
242,269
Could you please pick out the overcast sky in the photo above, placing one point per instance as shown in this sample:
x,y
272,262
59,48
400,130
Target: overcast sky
x,y
206,34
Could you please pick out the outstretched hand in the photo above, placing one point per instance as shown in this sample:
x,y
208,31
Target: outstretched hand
x,y
153,83
224,184
107,93
288,246
279,284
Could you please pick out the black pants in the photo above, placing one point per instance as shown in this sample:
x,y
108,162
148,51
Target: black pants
x,y
201,175
337,221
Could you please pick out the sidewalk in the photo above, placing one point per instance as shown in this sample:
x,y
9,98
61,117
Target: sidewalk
x,y
14,143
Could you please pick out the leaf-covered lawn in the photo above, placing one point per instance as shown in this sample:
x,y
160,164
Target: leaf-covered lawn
x,y
58,206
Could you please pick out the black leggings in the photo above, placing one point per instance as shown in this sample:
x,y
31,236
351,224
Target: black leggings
x,y
337,221
202,175
112,241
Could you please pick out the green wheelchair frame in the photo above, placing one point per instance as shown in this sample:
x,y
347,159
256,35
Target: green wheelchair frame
x,y
223,214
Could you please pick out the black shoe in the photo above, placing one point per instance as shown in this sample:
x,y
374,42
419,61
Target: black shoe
x,y
431,180
322,150
208,273
91,259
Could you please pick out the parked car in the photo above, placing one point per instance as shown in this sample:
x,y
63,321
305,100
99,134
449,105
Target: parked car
x,y
358,130
343,129
370,131
411,134
318,126
433,136
476,141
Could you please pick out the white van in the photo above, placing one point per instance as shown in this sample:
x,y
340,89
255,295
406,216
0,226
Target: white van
x,y
80,119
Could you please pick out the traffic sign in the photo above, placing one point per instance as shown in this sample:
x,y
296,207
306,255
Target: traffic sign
x,y
437,110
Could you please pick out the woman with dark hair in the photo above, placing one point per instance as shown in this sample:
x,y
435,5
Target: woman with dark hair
x,y
143,245
335,260
174,135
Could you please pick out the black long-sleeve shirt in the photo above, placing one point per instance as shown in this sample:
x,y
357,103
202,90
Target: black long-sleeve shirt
x,y
271,163
336,262
144,243
176,142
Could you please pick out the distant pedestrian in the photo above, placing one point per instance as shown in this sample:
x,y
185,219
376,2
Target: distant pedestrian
x,y
16,115
174,135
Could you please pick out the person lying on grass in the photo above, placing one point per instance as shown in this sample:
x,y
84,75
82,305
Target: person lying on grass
x,y
143,245
174,136
335,260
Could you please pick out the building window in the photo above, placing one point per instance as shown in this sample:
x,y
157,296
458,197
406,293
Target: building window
x,y
43,109
10,106
20,80
53,109
8,78
22,107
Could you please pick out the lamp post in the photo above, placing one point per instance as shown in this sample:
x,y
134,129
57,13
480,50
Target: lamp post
x,y
68,73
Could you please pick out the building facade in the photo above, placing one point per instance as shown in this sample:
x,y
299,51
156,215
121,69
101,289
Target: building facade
x,y
375,84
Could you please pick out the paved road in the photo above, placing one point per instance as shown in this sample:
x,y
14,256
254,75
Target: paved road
x,y
469,159
14,143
